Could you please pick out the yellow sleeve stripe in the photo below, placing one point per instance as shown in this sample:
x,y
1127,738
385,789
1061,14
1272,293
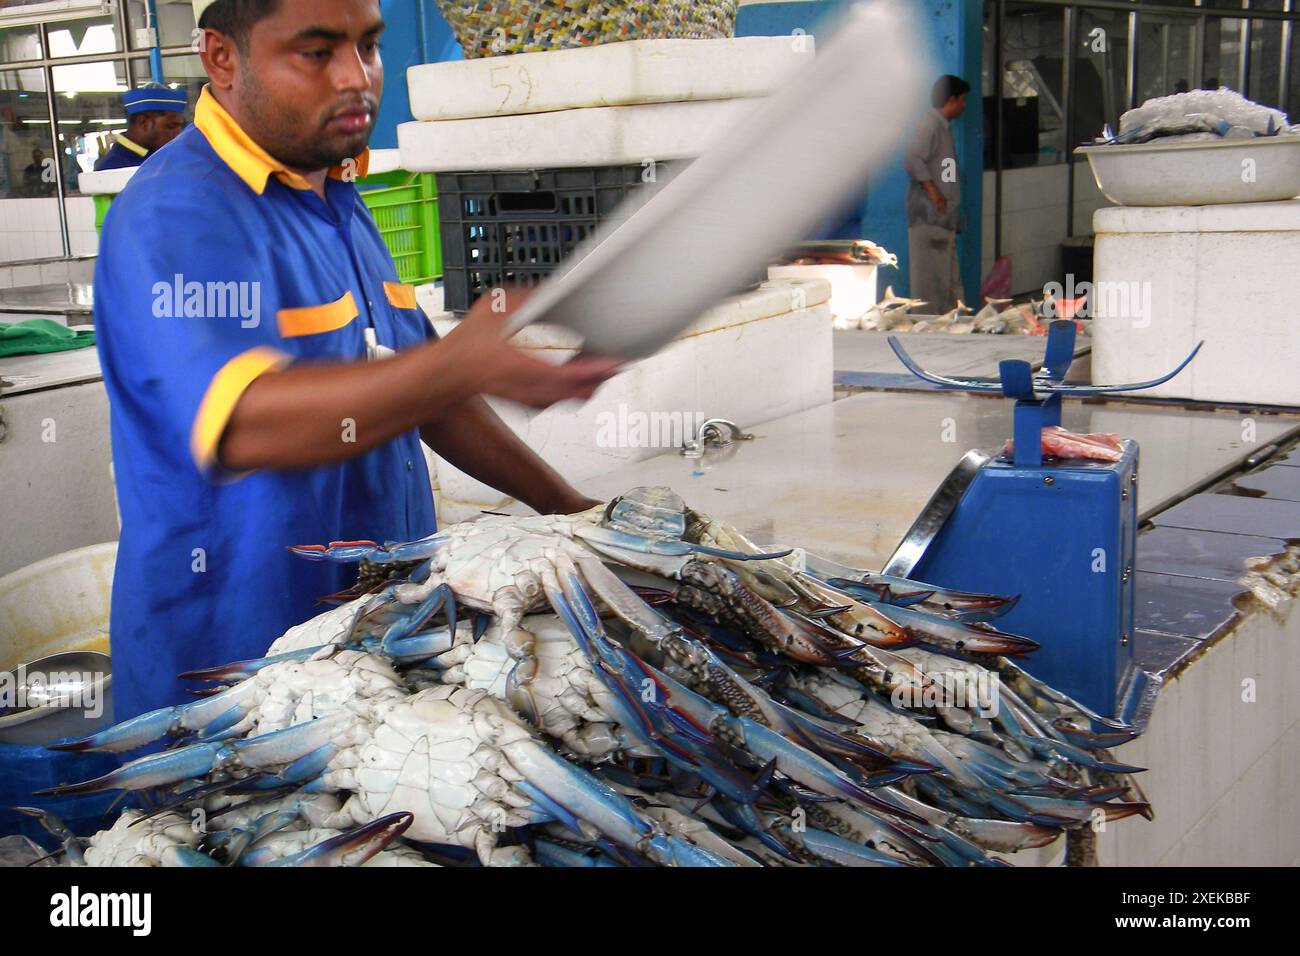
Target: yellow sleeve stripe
x,y
223,394
317,318
400,294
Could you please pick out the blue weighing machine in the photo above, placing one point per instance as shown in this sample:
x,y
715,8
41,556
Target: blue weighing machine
x,y
1062,534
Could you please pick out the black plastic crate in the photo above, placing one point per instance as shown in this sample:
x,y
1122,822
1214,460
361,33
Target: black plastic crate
x,y
516,228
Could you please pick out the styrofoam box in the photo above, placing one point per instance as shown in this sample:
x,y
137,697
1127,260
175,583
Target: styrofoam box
x,y
598,136
611,74
753,358
108,181
853,285
384,161
1169,277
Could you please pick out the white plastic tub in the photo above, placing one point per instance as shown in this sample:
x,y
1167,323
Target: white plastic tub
x,y
1265,169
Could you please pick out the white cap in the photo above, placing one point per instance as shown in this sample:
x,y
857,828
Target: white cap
x,y
199,7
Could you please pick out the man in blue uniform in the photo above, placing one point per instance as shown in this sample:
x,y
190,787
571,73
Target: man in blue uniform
x,y
155,115
238,282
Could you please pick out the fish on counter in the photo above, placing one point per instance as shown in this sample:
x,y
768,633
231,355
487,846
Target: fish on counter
x,y
823,252
890,313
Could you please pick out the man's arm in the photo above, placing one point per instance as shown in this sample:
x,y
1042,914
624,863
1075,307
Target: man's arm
x,y
474,438
916,160
317,414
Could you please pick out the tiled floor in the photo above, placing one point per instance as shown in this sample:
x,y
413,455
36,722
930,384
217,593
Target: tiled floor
x,y
1234,514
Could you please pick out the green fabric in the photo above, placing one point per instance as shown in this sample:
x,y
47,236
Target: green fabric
x,y
40,335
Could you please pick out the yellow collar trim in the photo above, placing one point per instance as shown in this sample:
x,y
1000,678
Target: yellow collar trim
x,y
251,162
127,144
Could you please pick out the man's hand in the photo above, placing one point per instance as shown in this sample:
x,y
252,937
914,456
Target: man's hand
x,y
936,197
505,371
291,418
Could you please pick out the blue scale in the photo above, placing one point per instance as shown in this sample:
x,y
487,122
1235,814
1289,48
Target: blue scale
x,y
1060,533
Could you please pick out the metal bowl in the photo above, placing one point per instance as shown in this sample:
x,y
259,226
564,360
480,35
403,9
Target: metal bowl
x,y
1264,169
47,700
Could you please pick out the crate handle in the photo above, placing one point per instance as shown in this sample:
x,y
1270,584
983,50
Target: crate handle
x,y
509,204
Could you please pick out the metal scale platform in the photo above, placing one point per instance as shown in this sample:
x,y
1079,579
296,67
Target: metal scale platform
x,y
1060,533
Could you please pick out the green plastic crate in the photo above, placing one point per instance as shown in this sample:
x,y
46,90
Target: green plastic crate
x,y
405,208
102,202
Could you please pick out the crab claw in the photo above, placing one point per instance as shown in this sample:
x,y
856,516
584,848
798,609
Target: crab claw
x,y
347,552
156,724
199,760
956,636
1090,740
352,848
414,618
902,592
866,622
607,540
238,670
585,797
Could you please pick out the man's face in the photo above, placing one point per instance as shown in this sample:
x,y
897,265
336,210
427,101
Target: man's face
x,y
160,129
955,107
309,84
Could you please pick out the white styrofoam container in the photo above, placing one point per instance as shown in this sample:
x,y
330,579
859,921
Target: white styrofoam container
x,y
384,161
107,181
853,285
57,605
610,74
597,136
1264,169
1167,278
54,607
753,358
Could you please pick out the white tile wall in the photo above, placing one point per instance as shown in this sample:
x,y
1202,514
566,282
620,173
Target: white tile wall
x,y
1033,220
749,372
29,228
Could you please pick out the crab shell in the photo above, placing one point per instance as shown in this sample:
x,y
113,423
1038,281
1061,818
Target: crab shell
x,y
154,842
564,698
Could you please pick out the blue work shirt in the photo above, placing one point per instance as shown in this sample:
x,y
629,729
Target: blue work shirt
x,y
219,265
122,155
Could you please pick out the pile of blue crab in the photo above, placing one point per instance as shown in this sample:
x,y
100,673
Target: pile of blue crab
x,y
634,685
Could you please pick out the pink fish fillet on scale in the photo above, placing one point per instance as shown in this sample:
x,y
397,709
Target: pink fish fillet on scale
x,y
1062,443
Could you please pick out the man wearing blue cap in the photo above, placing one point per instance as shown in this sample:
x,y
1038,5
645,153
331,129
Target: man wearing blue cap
x,y
155,116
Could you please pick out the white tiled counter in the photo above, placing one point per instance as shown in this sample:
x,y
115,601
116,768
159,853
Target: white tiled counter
x,y
753,358
1170,277
1222,752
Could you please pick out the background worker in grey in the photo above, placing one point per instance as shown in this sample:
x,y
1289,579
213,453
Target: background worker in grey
x,y
934,199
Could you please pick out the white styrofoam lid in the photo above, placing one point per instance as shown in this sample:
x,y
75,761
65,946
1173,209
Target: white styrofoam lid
x,y
107,181
609,74
598,136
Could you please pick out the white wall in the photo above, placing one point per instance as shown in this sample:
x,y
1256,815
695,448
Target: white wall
x,y
29,228
1033,220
